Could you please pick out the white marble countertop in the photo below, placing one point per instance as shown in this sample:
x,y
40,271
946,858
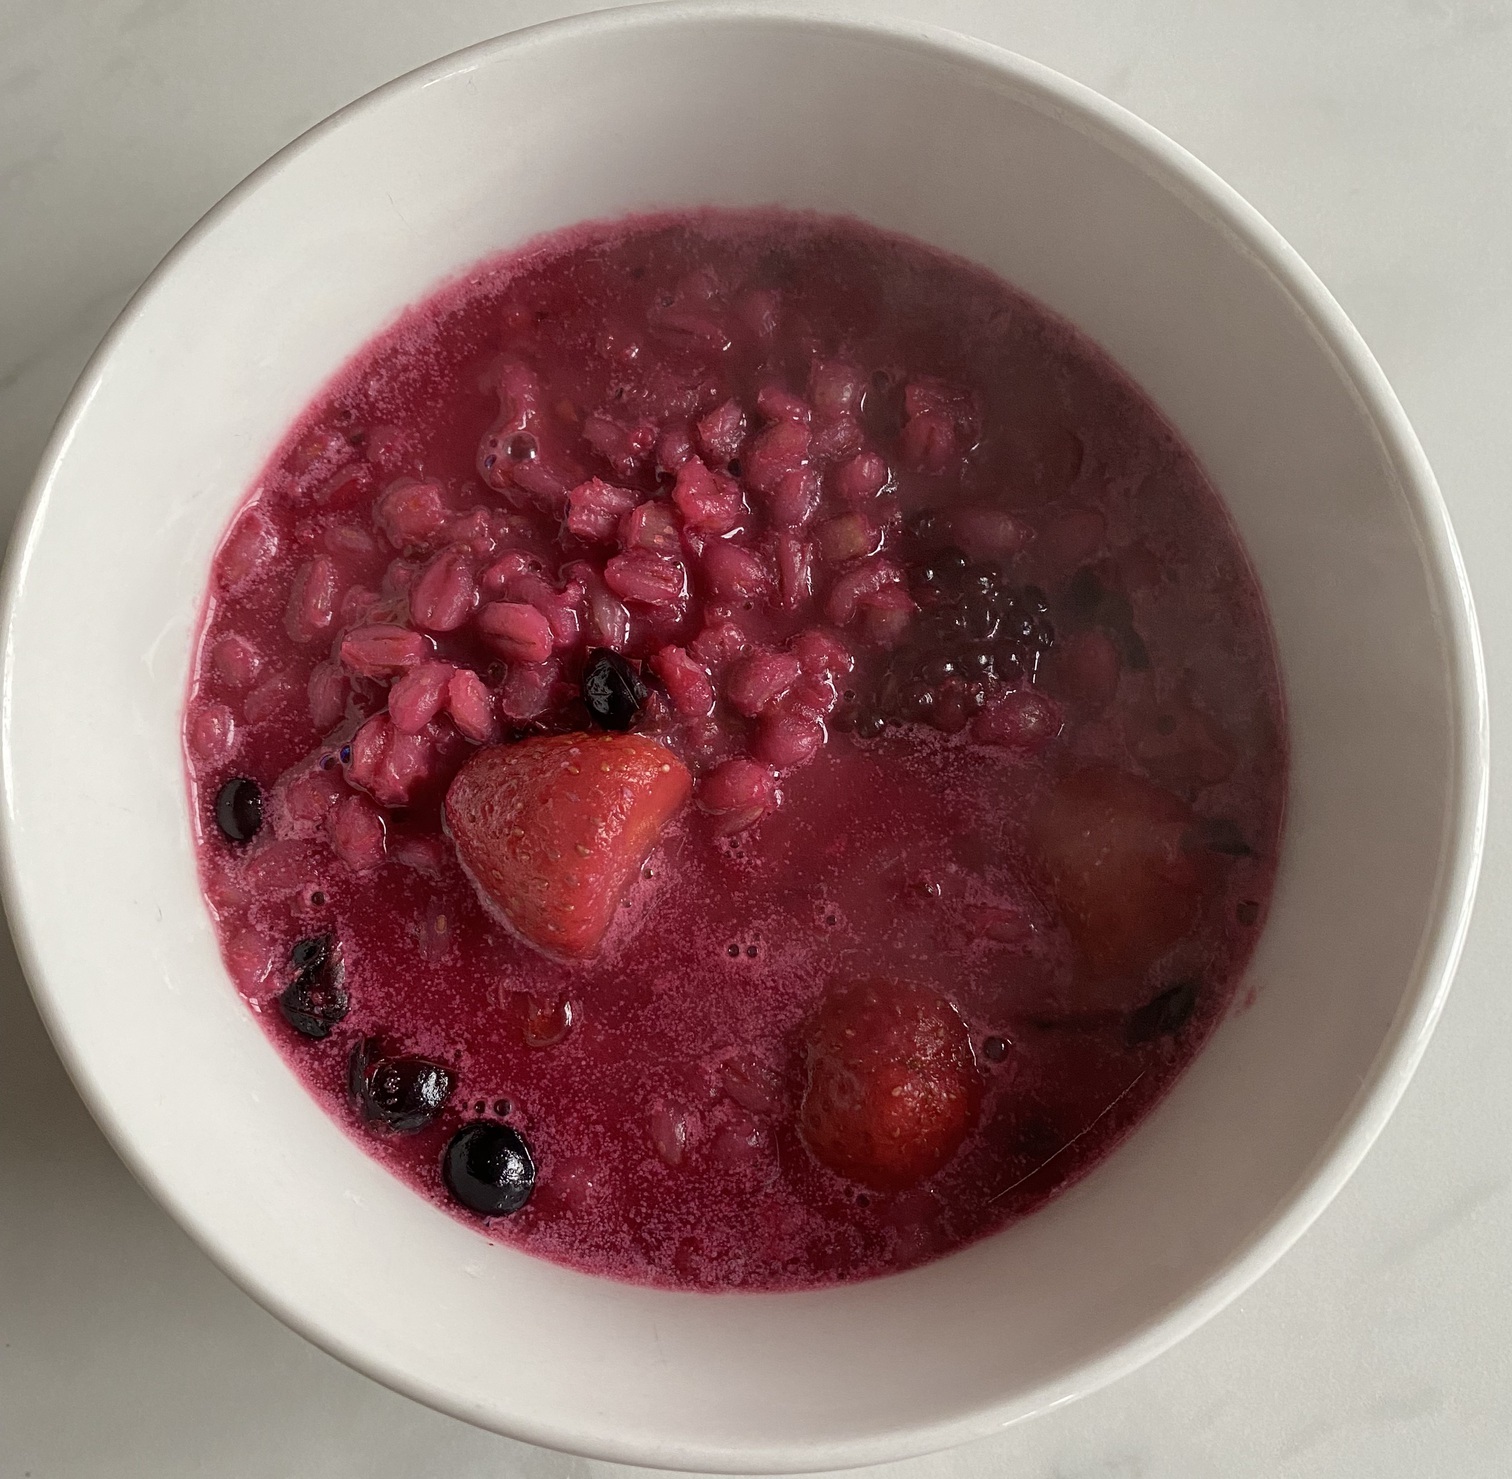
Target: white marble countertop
x,y
1377,135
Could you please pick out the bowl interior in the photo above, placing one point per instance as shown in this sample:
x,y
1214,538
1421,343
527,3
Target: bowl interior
x,y
981,154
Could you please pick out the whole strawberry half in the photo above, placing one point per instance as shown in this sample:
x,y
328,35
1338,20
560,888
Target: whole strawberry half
x,y
891,1087
552,830
1109,849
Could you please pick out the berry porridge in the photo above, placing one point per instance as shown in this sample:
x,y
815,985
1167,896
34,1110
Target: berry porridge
x,y
735,750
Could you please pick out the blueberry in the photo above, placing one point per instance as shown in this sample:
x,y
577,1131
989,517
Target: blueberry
x,y
870,725
403,1093
994,1049
612,689
488,1168
238,809
316,999
313,1005
1164,1015
313,950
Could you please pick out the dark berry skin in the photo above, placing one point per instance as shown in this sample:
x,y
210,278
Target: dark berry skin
x,y
1099,605
1220,835
238,809
1165,1015
404,1093
612,689
488,1168
316,999
313,950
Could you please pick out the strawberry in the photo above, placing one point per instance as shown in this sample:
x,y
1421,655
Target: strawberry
x,y
892,1086
1108,847
552,830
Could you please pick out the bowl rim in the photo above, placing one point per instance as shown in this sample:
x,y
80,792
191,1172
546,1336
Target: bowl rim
x,y
1179,172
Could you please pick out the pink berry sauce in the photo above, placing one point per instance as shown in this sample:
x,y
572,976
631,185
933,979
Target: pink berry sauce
x,y
968,667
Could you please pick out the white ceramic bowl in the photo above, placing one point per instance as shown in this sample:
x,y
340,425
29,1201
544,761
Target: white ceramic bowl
x,y
982,153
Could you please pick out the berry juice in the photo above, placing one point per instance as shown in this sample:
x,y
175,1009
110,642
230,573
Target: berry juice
x,y
735,750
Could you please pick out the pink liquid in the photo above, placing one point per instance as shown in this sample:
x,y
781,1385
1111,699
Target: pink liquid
x,y
661,1108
